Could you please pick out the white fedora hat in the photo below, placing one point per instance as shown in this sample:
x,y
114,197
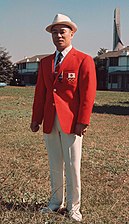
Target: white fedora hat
x,y
62,19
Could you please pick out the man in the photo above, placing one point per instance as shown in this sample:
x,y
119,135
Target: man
x,y
64,97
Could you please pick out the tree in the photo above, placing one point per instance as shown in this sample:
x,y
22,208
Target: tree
x,y
101,69
6,66
101,51
100,64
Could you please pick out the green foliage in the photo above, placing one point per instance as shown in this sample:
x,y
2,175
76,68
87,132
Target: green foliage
x,y
101,51
6,66
100,64
101,69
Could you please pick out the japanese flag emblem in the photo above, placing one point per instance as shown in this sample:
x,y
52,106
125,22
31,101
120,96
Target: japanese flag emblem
x,y
71,75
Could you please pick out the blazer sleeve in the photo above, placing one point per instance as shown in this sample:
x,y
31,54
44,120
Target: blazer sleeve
x,y
39,97
87,89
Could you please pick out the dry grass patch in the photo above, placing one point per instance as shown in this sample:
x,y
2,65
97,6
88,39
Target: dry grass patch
x,y
24,172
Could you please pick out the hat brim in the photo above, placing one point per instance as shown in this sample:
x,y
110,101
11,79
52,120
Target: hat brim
x,y
72,25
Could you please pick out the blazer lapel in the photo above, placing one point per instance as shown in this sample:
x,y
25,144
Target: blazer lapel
x,y
52,68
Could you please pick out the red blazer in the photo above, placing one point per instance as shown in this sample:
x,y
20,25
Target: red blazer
x,y
71,96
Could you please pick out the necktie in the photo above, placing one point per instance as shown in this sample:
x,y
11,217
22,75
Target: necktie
x,y
59,57
57,66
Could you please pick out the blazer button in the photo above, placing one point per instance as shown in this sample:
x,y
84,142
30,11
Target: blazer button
x,y
53,104
54,90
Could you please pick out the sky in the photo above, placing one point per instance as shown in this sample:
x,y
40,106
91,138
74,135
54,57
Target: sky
x,y
23,23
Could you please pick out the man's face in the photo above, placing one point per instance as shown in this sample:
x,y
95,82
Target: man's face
x,y
62,36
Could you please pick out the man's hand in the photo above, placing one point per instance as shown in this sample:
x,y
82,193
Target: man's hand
x,y
80,129
34,126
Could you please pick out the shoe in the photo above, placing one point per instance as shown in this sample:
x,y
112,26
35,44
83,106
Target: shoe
x,y
45,210
75,215
62,210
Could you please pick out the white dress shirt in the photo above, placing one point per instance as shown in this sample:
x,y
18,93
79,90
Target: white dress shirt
x,y
64,53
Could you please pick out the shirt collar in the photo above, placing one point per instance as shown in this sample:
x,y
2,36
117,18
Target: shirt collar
x,y
65,51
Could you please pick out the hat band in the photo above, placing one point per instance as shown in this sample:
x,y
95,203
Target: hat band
x,y
62,24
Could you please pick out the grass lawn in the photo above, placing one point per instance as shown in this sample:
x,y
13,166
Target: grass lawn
x,y
24,172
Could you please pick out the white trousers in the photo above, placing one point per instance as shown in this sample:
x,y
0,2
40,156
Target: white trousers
x,y
64,153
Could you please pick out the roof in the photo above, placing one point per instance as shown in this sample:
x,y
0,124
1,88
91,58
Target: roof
x,y
35,58
118,53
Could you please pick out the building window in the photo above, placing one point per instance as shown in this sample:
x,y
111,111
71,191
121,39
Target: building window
x,y
23,65
112,78
113,61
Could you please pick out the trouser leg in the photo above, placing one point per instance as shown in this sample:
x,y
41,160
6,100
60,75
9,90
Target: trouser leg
x,y
56,162
72,157
72,149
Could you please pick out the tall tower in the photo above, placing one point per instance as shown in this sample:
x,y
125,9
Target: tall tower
x,y
117,43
